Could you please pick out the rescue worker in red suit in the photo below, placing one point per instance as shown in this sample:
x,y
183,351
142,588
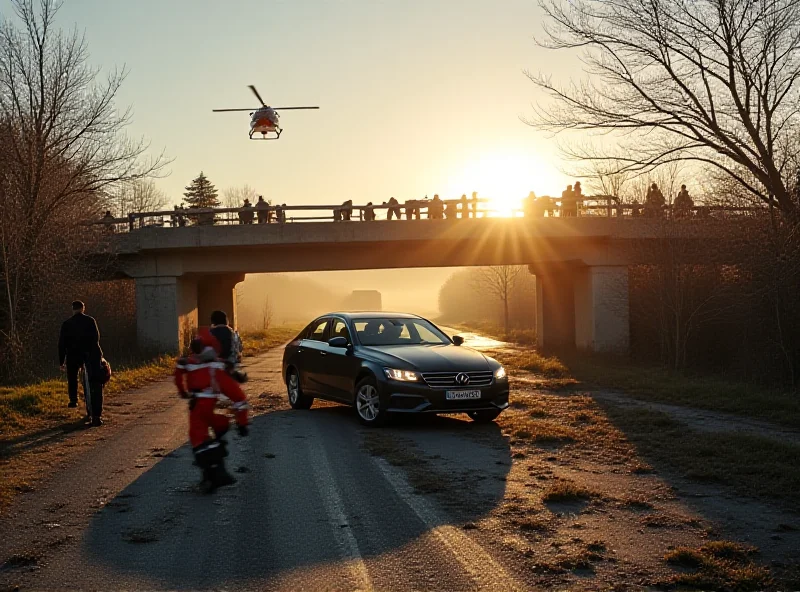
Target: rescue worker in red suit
x,y
227,343
201,378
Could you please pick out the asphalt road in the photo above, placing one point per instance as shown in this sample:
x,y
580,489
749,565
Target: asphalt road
x,y
315,507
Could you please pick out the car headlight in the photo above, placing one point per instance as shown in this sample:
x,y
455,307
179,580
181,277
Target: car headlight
x,y
500,372
402,375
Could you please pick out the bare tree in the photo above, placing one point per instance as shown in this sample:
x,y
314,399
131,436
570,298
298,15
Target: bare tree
x,y
266,314
233,197
715,82
499,281
141,195
63,147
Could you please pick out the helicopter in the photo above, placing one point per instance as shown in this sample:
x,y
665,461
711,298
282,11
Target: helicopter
x,y
264,120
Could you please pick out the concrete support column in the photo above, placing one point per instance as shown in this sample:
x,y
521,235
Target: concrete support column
x,y
217,292
555,309
602,322
584,307
166,312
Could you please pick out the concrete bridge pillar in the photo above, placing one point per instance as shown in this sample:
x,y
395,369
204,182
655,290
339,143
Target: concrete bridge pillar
x,y
166,312
583,306
169,309
217,292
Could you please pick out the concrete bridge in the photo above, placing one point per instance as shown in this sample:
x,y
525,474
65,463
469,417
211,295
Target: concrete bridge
x,y
580,263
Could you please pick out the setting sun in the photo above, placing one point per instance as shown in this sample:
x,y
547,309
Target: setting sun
x,y
506,178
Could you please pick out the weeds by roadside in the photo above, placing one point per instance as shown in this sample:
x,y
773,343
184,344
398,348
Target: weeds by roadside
x,y
43,404
257,342
719,565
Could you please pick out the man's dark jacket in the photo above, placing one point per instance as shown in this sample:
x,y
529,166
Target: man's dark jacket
x,y
79,340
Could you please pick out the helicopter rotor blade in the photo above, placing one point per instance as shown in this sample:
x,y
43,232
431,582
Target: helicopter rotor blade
x,y
258,96
222,110
290,108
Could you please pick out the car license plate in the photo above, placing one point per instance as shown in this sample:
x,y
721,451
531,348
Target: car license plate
x,y
460,395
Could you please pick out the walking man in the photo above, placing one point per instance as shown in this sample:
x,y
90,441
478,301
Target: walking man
x,y
79,347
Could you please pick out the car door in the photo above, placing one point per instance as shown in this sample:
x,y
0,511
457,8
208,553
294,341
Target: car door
x,y
312,351
340,366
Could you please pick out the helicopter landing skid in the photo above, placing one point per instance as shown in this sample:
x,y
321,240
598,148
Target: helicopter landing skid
x,y
265,137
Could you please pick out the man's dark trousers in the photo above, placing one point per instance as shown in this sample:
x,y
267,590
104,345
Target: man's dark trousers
x,y
73,366
94,406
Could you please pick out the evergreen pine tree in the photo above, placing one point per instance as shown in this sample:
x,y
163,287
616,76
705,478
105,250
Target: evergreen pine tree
x,y
201,193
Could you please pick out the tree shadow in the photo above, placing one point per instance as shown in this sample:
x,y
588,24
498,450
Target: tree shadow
x,y
304,479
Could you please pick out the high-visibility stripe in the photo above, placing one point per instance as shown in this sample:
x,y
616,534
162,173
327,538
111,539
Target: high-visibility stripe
x,y
239,405
193,367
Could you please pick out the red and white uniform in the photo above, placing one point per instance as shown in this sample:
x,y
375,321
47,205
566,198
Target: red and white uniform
x,y
203,378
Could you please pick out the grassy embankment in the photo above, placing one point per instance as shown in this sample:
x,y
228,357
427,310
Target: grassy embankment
x,y
752,463
33,407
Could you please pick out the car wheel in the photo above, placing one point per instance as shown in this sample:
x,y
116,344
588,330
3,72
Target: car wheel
x,y
484,416
370,409
296,397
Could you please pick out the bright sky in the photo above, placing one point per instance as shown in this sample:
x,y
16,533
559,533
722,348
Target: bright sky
x,y
417,96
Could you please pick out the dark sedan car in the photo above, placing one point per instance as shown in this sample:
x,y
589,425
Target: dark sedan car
x,y
382,363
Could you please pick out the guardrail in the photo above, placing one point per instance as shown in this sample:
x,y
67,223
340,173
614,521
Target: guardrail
x,y
603,206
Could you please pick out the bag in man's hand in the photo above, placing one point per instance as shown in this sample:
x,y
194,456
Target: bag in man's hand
x,y
105,371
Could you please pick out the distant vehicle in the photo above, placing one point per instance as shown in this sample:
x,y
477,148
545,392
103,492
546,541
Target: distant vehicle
x,y
264,120
384,363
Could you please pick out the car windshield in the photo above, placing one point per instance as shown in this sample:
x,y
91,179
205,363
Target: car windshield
x,y
388,331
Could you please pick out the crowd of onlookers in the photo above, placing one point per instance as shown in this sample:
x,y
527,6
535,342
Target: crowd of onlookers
x,y
572,198
654,206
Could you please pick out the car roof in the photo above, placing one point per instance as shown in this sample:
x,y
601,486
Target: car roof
x,y
373,315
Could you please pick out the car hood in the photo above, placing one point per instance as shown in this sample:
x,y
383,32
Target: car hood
x,y
428,358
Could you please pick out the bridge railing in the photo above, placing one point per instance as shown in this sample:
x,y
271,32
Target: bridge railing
x,y
594,206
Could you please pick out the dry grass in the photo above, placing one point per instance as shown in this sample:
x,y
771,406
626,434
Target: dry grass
x,y
752,464
658,384
257,342
37,406
532,361
565,491
33,407
719,565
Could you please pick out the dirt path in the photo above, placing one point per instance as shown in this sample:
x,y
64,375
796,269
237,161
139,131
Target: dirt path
x,y
313,509
325,504
705,420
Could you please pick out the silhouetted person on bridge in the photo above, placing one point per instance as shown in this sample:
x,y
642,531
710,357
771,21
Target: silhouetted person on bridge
x,y
451,209
577,193
262,210
682,207
412,209
474,205
247,213
393,210
280,213
108,220
464,206
531,207
79,348
636,208
347,210
436,208
654,202
568,203
369,212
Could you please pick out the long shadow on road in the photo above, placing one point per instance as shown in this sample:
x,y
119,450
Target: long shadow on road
x,y
304,477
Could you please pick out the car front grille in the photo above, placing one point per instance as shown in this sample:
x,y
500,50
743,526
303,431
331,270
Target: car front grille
x,y
440,380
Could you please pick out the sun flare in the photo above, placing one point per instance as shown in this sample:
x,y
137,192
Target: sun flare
x,y
505,179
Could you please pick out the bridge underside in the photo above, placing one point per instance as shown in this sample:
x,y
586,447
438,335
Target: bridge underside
x,y
581,266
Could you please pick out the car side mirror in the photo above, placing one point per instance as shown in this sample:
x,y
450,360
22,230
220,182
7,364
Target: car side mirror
x,y
458,340
338,342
